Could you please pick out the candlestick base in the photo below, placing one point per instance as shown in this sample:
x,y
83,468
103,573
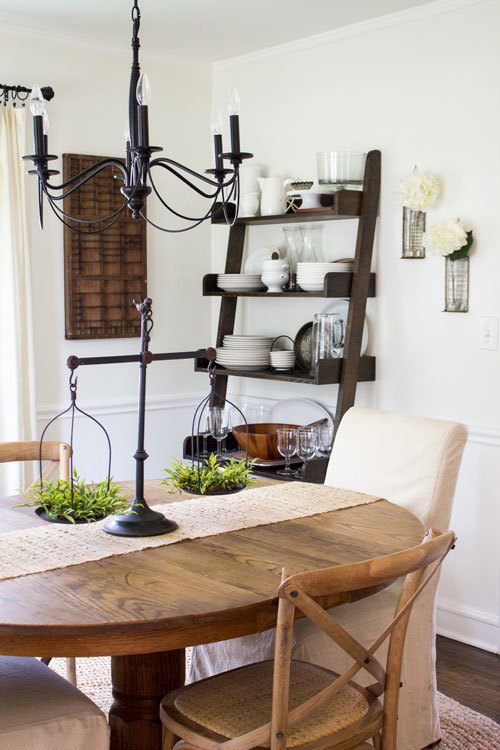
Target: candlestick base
x,y
139,521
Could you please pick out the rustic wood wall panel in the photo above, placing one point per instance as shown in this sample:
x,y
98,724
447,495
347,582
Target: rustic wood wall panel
x,y
103,273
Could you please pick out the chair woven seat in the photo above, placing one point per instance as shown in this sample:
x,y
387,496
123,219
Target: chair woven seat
x,y
222,703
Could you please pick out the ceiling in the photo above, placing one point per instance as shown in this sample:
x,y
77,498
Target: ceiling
x,y
202,30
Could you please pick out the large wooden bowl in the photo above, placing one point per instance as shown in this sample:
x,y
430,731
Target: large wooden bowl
x,y
262,439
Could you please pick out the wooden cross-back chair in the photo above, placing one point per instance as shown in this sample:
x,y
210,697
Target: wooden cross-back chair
x,y
56,457
287,703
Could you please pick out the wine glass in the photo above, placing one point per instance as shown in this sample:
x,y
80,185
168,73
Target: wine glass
x,y
287,445
306,447
204,431
220,424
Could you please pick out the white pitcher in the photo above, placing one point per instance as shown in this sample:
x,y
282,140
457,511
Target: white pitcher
x,y
273,198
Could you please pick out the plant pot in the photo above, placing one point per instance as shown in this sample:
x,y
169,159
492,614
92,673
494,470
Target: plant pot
x,y
238,488
42,514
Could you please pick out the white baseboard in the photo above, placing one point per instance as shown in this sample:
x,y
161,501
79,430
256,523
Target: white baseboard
x,y
468,625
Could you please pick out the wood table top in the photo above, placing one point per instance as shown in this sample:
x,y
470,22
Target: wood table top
x,y
192,592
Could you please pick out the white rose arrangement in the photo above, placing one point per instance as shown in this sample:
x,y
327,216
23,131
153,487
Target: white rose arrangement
x,y
450,238
418,191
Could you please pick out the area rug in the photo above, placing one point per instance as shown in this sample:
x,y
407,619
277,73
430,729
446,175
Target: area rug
x,y
462,728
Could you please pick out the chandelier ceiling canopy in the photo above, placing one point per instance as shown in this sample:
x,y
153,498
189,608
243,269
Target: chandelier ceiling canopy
x,y
219,185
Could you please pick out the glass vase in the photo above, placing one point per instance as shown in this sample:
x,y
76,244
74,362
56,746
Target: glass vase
x,y
413,229
457,285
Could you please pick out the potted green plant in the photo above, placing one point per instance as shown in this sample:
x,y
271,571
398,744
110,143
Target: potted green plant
x,y
210,477
63,501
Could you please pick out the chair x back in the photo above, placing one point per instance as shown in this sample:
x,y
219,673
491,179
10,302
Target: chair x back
x,y
310,706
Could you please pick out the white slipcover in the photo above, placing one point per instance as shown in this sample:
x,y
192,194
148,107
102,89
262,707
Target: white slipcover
x,y
411,461
39,710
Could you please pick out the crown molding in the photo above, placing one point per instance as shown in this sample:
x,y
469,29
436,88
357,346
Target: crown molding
x,y
76,41
345,32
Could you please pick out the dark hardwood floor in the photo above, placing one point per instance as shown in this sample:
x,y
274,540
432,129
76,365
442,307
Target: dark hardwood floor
x,y
469,675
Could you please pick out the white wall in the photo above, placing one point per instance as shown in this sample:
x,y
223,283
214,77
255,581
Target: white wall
x,y
88,116
422,87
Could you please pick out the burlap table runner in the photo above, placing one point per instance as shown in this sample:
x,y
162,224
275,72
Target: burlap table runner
x,y
51,546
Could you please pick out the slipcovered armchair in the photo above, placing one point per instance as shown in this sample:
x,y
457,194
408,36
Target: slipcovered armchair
x,y
411,461
40,710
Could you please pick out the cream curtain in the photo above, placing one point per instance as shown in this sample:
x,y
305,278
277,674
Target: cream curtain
x,y
17,369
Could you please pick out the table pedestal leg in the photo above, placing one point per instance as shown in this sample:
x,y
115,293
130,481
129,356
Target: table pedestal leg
x,y
139,683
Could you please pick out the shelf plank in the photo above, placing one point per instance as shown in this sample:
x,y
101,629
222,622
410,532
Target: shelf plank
x,y
336,285
346,205
329,372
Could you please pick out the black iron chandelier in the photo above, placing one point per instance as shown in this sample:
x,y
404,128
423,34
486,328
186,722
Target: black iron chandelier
x,y
220,187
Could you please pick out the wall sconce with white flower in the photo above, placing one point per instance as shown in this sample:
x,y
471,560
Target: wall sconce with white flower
x,y
417,191
454,241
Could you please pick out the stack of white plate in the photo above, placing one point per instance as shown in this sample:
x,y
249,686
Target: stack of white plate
x,y
283,360
311,276
245,352
240,282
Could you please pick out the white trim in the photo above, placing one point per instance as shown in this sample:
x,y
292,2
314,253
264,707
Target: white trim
x,y
82,42
345,32
128,406
468,625
484,435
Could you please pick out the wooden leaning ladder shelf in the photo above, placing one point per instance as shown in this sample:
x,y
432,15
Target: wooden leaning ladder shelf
x,y
358,285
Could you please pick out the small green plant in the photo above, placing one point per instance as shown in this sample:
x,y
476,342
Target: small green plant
x,y
210,477
85,502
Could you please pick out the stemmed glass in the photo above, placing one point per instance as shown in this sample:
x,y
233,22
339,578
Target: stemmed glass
x,y
306,447
204,431
324,437
287,446
220,424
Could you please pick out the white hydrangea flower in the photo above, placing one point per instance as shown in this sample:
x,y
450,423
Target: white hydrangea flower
x,y
446,236
418,191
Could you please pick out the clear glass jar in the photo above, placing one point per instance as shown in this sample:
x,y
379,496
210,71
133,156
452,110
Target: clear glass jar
x,y
413,229
293,250
311,243
457,285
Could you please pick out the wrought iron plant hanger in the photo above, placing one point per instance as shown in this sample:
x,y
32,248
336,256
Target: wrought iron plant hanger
x,y
140,520
220,187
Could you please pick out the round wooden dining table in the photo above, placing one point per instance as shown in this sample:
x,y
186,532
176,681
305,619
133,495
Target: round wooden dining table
x,y
144,608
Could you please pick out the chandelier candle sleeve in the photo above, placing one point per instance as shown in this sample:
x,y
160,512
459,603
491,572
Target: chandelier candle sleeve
x,y
143,99
217,132
233,108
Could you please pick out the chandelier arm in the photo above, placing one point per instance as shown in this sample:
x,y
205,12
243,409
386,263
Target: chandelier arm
x,y
185,180
234,188
170,163
173,231
62,218
176,213
88,174
109,217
